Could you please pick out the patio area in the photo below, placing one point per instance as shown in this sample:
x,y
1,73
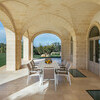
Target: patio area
x,y
14,87
76,23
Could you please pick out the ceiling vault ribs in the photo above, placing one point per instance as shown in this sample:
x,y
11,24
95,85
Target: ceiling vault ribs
x,y
30,20
7,12
62,16
1,1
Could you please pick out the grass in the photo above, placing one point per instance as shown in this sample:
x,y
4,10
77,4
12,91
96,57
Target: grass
x,y
2,59
37,56
53,56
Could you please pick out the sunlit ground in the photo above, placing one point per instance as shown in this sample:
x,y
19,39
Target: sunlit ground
x,y
13,86
7,76
29,90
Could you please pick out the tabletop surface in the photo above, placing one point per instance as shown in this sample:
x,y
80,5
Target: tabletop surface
x,y
54,64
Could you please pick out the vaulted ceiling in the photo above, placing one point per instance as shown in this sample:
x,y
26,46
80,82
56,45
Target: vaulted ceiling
x,y
62,16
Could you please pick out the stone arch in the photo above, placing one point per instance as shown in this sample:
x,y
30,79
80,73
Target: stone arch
x,y
7,12
63,41
95,23
46,31
51,21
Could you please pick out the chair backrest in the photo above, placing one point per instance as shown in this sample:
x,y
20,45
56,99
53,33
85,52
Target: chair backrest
x,y
68,66
29,67
64,62
32,64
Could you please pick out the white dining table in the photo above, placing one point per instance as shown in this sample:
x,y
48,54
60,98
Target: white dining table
x,y
47,68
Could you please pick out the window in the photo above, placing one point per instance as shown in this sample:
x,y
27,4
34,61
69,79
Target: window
x,y
94,32
94,44
97,51
91,50
71,46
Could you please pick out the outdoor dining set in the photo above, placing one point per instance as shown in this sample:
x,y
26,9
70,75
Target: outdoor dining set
x,y
43,68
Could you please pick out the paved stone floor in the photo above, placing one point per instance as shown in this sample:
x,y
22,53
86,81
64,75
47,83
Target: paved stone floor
x,y
17,89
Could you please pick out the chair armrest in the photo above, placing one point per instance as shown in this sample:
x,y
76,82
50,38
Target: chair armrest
x,y
33,71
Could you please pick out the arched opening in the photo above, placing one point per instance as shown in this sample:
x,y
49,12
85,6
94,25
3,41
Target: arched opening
x,y
47,45
7,48
94,50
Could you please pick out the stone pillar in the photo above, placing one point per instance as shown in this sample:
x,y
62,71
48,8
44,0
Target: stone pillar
x,y
18,51
74,54
62,51
13,51
30,50
25,48
10,50
67,48
81,52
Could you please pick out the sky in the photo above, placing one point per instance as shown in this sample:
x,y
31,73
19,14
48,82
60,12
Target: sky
x,y
2,34
45,39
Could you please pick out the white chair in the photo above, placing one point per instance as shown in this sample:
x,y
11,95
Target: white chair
x,y
63,64
33,66
63,72
34,72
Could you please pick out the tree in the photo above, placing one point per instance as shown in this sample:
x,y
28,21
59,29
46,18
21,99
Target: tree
x,y
40,49
55,47
2,48
35,51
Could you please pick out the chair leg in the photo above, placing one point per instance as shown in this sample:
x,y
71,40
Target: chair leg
x,y
28,78
55,81
41,79
69,79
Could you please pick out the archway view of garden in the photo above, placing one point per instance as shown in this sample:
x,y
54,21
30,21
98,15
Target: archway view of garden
x,y
4,34
47,46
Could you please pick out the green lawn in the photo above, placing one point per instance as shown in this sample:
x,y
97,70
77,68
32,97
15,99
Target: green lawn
x,y
2,59
36,56
53,56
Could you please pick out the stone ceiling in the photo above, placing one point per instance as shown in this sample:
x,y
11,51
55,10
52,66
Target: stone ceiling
x,y
62,16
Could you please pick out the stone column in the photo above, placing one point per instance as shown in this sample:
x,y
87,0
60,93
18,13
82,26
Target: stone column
x,y
13,51
18,51
25,48
74,54
10,51
81,52
62,51
30,49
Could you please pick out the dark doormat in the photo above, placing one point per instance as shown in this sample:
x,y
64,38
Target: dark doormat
x,y
95,94
76,73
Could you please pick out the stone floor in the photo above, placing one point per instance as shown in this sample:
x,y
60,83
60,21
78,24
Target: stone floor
x,y
17,89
